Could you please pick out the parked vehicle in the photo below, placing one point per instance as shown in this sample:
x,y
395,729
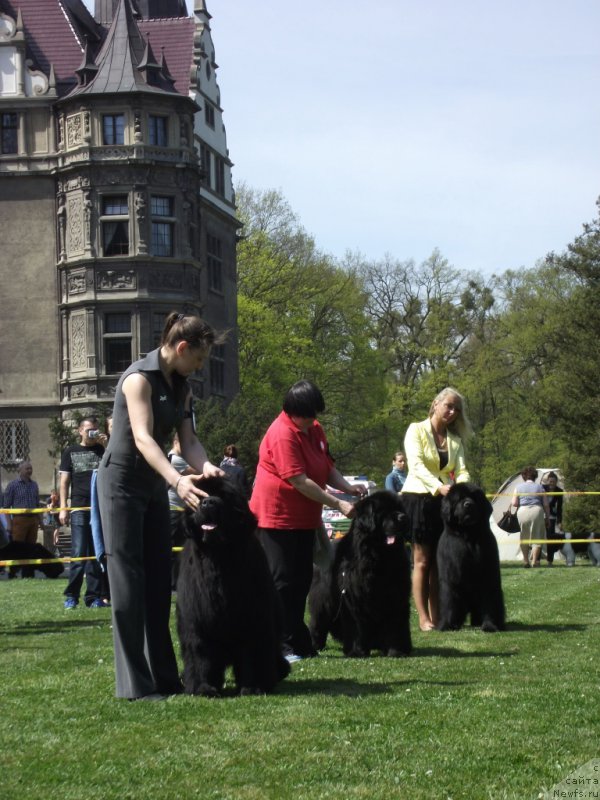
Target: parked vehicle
x,y
336,524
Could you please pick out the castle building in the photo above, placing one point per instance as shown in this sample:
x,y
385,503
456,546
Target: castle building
x,y
116,206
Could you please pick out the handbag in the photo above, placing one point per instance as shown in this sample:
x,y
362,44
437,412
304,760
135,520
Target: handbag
x,y
508,522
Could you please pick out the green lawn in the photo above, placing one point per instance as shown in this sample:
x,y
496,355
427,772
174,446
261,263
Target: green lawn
x,y
470,715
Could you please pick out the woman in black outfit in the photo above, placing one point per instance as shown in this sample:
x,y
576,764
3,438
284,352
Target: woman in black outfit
x,y
152,398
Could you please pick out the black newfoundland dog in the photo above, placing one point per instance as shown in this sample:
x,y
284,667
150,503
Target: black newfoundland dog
x,y
363,599
25,551
227,609
468,562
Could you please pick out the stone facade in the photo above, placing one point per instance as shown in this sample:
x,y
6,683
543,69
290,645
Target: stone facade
x,y
110,217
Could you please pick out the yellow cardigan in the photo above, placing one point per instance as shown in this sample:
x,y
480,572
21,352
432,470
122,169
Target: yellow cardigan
x,y
424,473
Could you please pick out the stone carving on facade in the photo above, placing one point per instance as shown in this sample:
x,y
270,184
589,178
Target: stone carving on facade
x,y
194,281
114,279
87,127
140,216
114,153
189,224
74,131
76,182
76,282
107,389
166,279
61,132
161,177
74,226
183,131
61,216
88,211
78,343
137,126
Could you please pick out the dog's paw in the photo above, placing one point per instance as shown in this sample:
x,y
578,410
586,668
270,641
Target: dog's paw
x,y
251,690
489,627
393,652
204,690
357,652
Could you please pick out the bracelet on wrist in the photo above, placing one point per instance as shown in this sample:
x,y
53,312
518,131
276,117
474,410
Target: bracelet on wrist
x,y
177,483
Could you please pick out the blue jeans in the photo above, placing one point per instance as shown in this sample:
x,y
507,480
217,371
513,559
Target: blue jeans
x,y
82,545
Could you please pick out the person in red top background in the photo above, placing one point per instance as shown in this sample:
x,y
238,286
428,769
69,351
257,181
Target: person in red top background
x,y
294,467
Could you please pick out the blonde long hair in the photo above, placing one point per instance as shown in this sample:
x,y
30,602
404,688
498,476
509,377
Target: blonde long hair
x,y
460,425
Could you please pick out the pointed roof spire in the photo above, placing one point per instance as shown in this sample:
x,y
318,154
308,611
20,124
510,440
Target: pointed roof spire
x,y
148,66
125,62
201,9
164,68
87,70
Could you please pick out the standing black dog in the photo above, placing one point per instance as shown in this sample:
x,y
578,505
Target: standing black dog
x,y
468,562
227,608
363,600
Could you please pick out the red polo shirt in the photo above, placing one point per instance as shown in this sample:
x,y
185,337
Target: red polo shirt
x,y
285,452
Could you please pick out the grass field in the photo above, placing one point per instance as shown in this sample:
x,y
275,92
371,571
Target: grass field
x,y
470,715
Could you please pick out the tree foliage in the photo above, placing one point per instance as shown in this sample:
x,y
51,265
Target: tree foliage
x,y
382,337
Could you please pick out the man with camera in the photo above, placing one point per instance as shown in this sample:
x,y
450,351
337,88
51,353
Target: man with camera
x,y
76,467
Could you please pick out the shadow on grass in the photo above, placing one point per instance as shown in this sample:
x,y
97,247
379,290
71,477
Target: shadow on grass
x,y
427,652
452,652
517,627
344,687
51,626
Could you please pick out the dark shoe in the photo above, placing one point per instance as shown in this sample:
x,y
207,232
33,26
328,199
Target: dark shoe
x,y
70,603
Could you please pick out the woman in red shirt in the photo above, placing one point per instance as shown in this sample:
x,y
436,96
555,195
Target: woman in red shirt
x,y
294,467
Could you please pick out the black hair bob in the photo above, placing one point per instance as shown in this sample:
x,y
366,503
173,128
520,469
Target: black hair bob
x,y
303,399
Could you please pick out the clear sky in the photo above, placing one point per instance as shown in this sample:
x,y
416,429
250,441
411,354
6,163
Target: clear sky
x,y
400,126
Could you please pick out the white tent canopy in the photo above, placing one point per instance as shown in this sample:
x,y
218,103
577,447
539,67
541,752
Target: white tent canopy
x,y
508,543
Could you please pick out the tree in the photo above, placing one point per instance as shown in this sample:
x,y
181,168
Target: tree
x,y
300,315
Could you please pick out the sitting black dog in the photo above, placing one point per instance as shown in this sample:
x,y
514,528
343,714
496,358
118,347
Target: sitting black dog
x,y
25,551
363,599
227,610
468,562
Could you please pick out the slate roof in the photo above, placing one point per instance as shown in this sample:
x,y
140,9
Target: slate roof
x,y
176,36
56,33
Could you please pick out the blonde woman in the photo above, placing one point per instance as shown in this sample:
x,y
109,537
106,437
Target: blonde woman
x,y
435,455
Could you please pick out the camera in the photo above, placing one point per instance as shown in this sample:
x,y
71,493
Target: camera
x,y
93,434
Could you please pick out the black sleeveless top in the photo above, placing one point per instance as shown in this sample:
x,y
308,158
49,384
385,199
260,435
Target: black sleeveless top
x,y
167,408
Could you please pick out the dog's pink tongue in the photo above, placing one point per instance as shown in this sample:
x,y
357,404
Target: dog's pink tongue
x,y
208,527
391,539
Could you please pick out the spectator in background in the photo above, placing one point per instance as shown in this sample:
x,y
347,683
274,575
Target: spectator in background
x,y
76,467
394,481
533,513
23,492
50,523
176,507
555,509
233,469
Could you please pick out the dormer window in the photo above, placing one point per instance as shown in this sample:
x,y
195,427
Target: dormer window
x,y
113,129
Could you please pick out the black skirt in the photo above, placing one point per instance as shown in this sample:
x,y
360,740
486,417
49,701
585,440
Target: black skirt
x,y
425,518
